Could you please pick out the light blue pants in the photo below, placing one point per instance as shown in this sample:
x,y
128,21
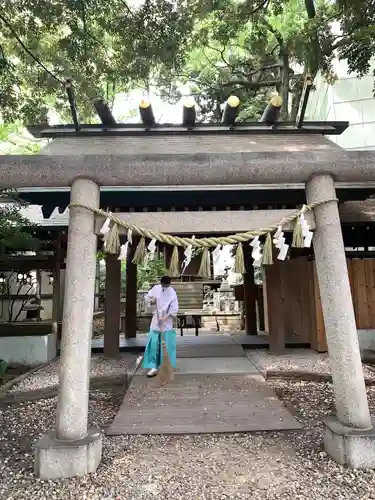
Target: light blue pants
x,y
153,356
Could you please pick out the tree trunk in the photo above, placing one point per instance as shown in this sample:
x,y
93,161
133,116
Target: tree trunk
x,y
296,100
284,88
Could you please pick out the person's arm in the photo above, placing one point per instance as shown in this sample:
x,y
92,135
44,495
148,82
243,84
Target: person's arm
x,y
150,297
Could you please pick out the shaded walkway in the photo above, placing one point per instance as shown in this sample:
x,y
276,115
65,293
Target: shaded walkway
x,y
138,343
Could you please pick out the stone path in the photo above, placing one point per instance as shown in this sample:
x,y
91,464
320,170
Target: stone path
x,y
201,404
215,366
208,395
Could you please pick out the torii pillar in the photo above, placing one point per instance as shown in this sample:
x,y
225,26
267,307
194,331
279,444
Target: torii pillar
x,y
349,437
73,449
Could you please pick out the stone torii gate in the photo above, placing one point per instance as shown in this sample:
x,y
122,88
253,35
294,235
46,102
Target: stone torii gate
x,y
207,157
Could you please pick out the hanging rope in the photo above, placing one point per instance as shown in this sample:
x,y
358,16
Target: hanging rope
x,y
179,241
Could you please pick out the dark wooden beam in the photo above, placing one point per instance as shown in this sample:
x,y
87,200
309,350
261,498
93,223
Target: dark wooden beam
x,y
250,294
112,306
73,105
304,101
131,294
134,130
275,305
104,113
28,265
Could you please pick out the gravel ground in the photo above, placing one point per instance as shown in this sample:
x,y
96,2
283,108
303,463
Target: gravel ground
x,y
267,466
296,359
48,376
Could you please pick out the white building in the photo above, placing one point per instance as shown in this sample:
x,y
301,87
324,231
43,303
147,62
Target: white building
x,y
349,99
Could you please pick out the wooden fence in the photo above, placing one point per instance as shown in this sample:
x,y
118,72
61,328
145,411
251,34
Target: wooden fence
x,y
301,318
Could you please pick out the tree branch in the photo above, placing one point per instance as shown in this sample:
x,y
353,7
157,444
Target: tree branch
x,y
128,9
209,60
11,29
252,85
221,52
275,32
23,303
262,5
341,43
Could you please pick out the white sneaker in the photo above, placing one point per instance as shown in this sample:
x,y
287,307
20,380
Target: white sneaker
x,y
152,372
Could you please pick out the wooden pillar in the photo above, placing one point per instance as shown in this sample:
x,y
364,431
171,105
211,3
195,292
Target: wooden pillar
x,y
250,293
131,295
260,302
275,306
112,306
56,300
265,303
57,292
168,250
39,293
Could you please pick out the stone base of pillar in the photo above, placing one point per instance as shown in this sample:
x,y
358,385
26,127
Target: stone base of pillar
x,y
354,448
58,459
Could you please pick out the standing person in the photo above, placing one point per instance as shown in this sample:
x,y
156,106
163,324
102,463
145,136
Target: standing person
x,y
164,298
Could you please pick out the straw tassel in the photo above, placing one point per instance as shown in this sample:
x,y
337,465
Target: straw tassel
x,y
239,261
112,240
174,265
298,240
140,252
267,251
205,267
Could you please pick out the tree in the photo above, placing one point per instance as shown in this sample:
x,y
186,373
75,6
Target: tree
x,y
17,293
252,55
17,233
356,43
212,47
252,50
103,47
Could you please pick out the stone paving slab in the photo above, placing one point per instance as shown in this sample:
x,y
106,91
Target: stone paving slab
x,y
210,351
201,404
214,366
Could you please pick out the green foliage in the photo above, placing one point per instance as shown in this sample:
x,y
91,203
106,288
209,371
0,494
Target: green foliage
x,y
146,275
14,139
17,233
252,49
357,42
211,48
103,47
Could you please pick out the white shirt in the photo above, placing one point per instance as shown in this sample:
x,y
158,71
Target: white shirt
x,y
166,304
